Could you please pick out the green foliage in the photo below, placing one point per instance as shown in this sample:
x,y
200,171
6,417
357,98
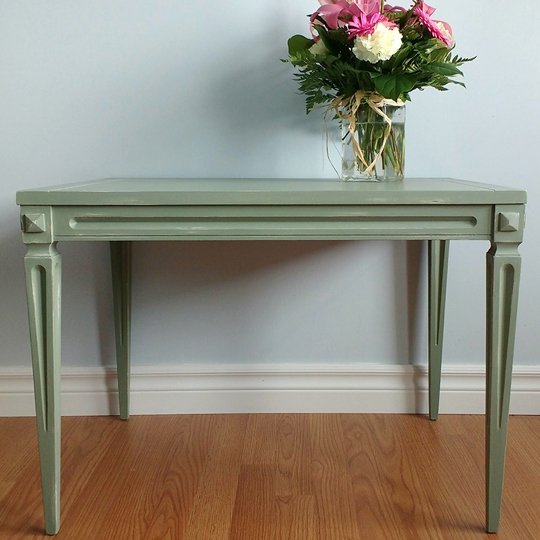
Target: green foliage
x,y
299,43
332,71
394,85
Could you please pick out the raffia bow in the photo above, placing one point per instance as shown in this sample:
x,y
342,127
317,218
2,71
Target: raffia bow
x,y
352,104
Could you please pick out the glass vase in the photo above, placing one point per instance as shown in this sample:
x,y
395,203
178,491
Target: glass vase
x,y
373,148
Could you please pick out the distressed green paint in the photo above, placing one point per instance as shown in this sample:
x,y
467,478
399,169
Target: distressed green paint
x,y
276,222
268,191
437,274
123,210
503,273
121,281
43,284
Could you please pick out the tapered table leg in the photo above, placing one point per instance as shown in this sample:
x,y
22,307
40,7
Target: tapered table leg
x,y
43,286
437,273
503,272
121,281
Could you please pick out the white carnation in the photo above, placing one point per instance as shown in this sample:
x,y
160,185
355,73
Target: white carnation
x,y
381,45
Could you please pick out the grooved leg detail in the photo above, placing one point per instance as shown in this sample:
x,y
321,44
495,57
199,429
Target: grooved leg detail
x,y
121,281
43,287
437,274
503,272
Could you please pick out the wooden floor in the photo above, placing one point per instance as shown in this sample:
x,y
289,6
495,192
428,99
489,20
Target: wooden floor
x,y
279,477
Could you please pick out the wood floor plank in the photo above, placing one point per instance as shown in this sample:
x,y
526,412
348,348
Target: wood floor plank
x,y
214,502
255,510
133,511
108,480
452,471
333,489
190,450
293,456
376,462
19,442
364,467
86,447
278,477
260,440
21,514
521,496
297,518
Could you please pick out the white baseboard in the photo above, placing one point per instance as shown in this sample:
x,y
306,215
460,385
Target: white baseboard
x,y
270,389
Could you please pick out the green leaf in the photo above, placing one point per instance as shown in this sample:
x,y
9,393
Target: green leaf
x,y
299,43
336,41
443,69
393,86
397,59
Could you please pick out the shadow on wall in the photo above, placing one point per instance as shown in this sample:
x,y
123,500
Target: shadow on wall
x,y
266,294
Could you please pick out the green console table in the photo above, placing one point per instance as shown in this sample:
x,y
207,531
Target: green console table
x,y
121,211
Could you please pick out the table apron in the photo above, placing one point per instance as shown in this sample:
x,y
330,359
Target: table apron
x,y
257,222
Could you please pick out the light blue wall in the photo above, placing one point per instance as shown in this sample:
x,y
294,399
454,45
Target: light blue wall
x,y
105,88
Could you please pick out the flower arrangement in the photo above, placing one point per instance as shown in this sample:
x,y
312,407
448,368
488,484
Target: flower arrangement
x,y
364,56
